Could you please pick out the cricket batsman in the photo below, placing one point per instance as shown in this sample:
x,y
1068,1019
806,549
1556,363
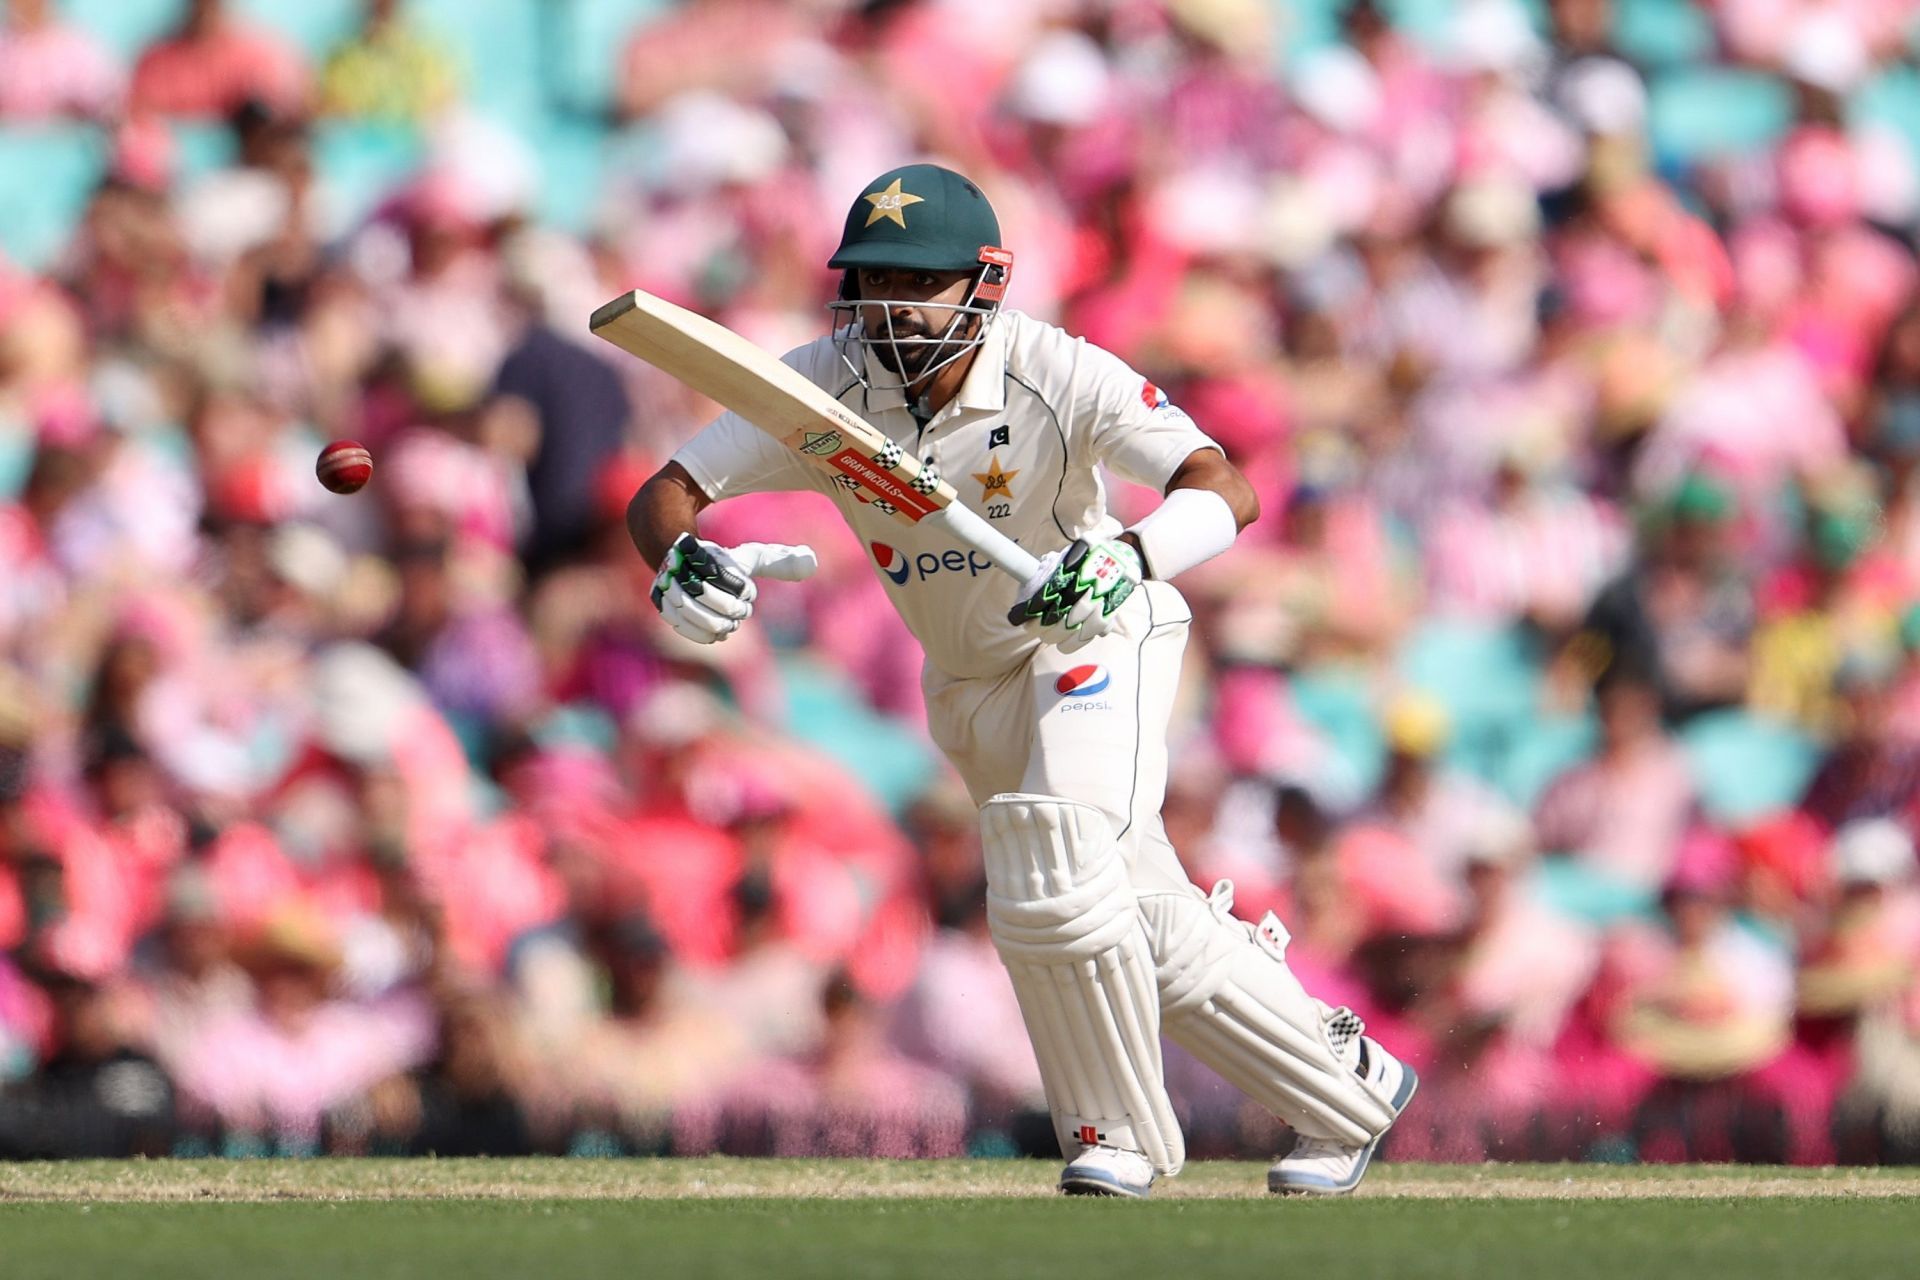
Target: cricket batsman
x,y
1051,698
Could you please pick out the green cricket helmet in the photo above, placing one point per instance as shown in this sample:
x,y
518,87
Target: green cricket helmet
x,y
926,218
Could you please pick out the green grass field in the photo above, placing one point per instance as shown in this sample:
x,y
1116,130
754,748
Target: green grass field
x,y
790,1219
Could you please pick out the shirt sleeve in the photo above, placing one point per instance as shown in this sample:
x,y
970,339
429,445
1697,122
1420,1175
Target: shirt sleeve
x,y
730,456
1137,432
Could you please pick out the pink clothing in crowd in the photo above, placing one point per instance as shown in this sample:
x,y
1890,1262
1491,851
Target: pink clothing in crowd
x,y
1528,966
1757,416
961,1016
1623,819
211,75
1730,979
55,70
1545,558
261,1077
876,1104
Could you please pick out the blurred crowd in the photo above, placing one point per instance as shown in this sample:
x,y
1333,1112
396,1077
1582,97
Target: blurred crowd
x,y
1565,704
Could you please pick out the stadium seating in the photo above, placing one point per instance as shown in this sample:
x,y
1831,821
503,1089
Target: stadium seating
x,y
499,45
200,147
1340,704
1892,100
362,164
1539,751
1696,112
586,62
573,159
1746,766
1357,335
1578,891
823,709
1659,33
126,26
66,162
1486,679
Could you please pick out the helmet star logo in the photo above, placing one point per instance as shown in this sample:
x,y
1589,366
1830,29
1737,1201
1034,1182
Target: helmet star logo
x,y
889,203
994,482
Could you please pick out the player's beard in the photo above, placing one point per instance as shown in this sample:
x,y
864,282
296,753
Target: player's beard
x,y
904,353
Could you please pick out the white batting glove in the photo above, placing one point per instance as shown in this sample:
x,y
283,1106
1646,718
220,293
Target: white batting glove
x,y
705,591
1077,594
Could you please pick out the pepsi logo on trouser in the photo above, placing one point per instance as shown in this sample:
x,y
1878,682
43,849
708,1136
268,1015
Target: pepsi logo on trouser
x,y
1083,681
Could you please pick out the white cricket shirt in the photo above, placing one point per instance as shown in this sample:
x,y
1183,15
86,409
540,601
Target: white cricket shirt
x,y
1037,414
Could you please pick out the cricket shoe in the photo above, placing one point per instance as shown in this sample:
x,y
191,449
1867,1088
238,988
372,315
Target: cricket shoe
x,y
1108,1171
1326,1167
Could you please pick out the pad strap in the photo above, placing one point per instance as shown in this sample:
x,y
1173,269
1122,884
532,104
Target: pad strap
x,y
1229,999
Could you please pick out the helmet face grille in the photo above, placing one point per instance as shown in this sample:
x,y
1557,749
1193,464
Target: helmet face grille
x,y
898,358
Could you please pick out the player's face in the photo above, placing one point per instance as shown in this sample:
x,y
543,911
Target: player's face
x,y
895,307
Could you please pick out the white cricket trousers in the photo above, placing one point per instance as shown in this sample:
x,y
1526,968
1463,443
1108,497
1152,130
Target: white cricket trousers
x,y
1088,726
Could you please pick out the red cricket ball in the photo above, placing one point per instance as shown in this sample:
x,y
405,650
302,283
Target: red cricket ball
x,y
344,466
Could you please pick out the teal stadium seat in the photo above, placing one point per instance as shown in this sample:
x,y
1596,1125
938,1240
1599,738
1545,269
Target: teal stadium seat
x,y
126,26
497,46
1698,113
578,725
592,35
1893,100
1304,27
894,762
1540,751
1487,679
1426,21
17,447
47,175
573,165
1340,704
200,147
1747,766
362,163
1660,33
1573,889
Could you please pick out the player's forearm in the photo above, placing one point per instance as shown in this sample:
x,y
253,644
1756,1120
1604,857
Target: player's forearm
x,y
665,507
1207,503
1208,469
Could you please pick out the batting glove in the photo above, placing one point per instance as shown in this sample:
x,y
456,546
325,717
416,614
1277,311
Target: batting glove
x,y
705,591
1077,594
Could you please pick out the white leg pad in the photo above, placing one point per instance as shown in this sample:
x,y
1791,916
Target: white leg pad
x,y
1068,927
1228,997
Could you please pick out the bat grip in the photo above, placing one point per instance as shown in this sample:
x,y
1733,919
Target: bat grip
x,y
971,531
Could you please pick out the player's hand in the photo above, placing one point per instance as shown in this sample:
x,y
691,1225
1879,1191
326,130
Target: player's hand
x,y
1077,594
705,591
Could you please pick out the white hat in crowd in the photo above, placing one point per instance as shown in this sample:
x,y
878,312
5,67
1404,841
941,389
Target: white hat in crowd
x,y
1872,851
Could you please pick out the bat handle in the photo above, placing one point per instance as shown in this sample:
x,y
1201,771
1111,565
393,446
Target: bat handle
x,y
967,526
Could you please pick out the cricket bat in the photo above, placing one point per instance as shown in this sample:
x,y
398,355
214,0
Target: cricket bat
x,y
727,369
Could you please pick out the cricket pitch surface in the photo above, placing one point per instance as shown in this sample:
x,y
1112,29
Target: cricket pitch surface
x,y
788,1219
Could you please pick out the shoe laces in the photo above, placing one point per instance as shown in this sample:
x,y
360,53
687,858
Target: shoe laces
x,y
1306,1148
